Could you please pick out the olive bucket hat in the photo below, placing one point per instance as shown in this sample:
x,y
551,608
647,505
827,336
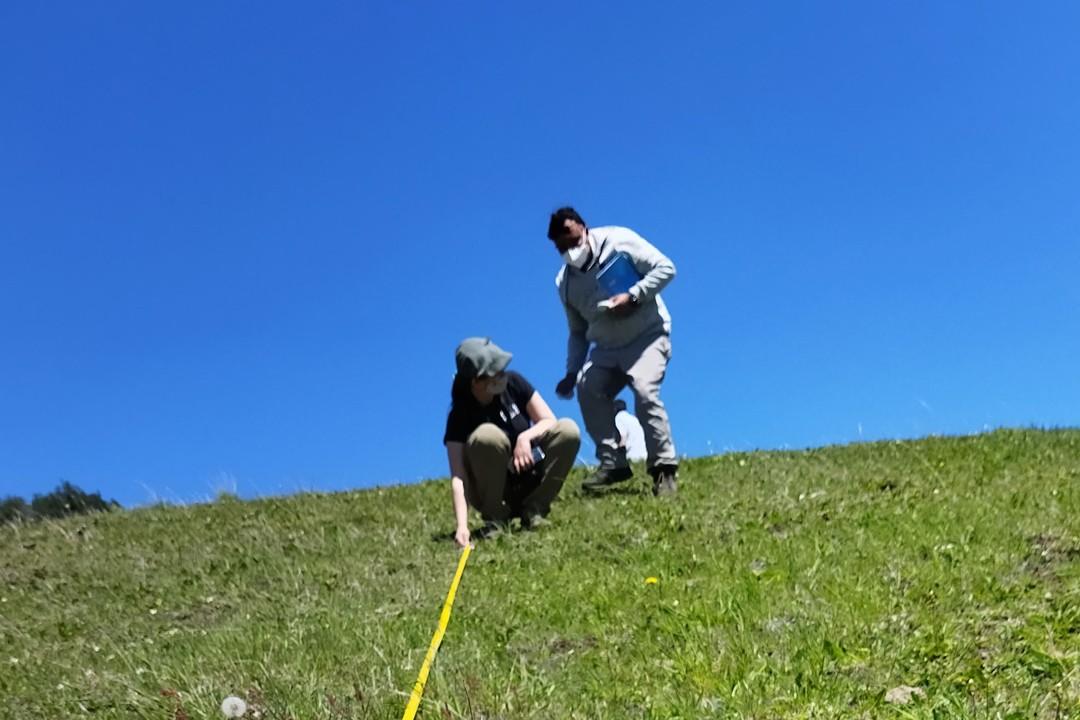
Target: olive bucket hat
x,y
477,356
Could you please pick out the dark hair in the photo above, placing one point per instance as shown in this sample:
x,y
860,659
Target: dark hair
x,y
558,220
460,389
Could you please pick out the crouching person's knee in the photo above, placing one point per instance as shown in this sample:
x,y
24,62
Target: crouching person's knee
x,y
488,437
566,434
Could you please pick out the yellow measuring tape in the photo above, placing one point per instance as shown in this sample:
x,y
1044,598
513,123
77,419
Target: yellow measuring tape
x,y
436,640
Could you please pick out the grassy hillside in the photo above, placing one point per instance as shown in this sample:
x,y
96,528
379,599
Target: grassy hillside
x,y
789,584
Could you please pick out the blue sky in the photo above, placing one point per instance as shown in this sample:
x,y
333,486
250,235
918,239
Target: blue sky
x,y
241,240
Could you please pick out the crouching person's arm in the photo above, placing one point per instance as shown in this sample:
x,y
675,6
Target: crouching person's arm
x,y
456,453
542,420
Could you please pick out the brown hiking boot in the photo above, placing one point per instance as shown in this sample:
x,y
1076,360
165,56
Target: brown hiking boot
x,y
534,521
605,477
492,529
665,483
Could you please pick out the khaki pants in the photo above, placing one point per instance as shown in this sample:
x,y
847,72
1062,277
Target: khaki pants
x,y
487,460
641,365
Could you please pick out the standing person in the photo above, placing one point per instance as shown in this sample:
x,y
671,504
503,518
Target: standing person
x,y
631,436
629,333
508,454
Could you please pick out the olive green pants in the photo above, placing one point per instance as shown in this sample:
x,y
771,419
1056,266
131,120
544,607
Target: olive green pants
x,y
488,480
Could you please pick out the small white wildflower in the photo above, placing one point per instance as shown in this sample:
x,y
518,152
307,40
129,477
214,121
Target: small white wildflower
x,y
209,599
60,686
97,648
153,611
13,660
3,599
233,707
903,695
713,704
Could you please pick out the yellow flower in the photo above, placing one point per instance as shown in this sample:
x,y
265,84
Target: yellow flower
x,y
651,581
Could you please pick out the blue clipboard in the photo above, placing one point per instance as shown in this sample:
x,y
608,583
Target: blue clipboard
x,y
618,274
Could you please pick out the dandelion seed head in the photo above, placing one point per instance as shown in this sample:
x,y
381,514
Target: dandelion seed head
x,y
233,707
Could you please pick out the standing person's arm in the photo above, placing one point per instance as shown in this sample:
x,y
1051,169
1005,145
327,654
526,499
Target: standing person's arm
x,y
655,267
577,349
455,452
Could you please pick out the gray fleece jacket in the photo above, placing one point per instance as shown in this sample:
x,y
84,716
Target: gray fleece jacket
x,y
580,294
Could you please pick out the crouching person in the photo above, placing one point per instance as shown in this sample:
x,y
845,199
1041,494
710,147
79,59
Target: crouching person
x,y
508,454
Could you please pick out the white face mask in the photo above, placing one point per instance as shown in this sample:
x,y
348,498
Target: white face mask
x,y
577,256
497,387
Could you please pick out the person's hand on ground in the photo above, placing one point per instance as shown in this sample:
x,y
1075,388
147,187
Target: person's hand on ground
x,y
523,457
461,537
565,388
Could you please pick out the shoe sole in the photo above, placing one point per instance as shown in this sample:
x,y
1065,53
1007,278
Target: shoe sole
x,y
598,486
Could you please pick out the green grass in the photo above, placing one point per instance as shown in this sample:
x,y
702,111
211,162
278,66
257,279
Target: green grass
x,y
791,585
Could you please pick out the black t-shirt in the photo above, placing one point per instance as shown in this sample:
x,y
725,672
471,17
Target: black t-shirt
x,y
507,411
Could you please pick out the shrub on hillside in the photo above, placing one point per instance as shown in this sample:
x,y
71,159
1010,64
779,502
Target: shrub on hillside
x,y
65,500
14,508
